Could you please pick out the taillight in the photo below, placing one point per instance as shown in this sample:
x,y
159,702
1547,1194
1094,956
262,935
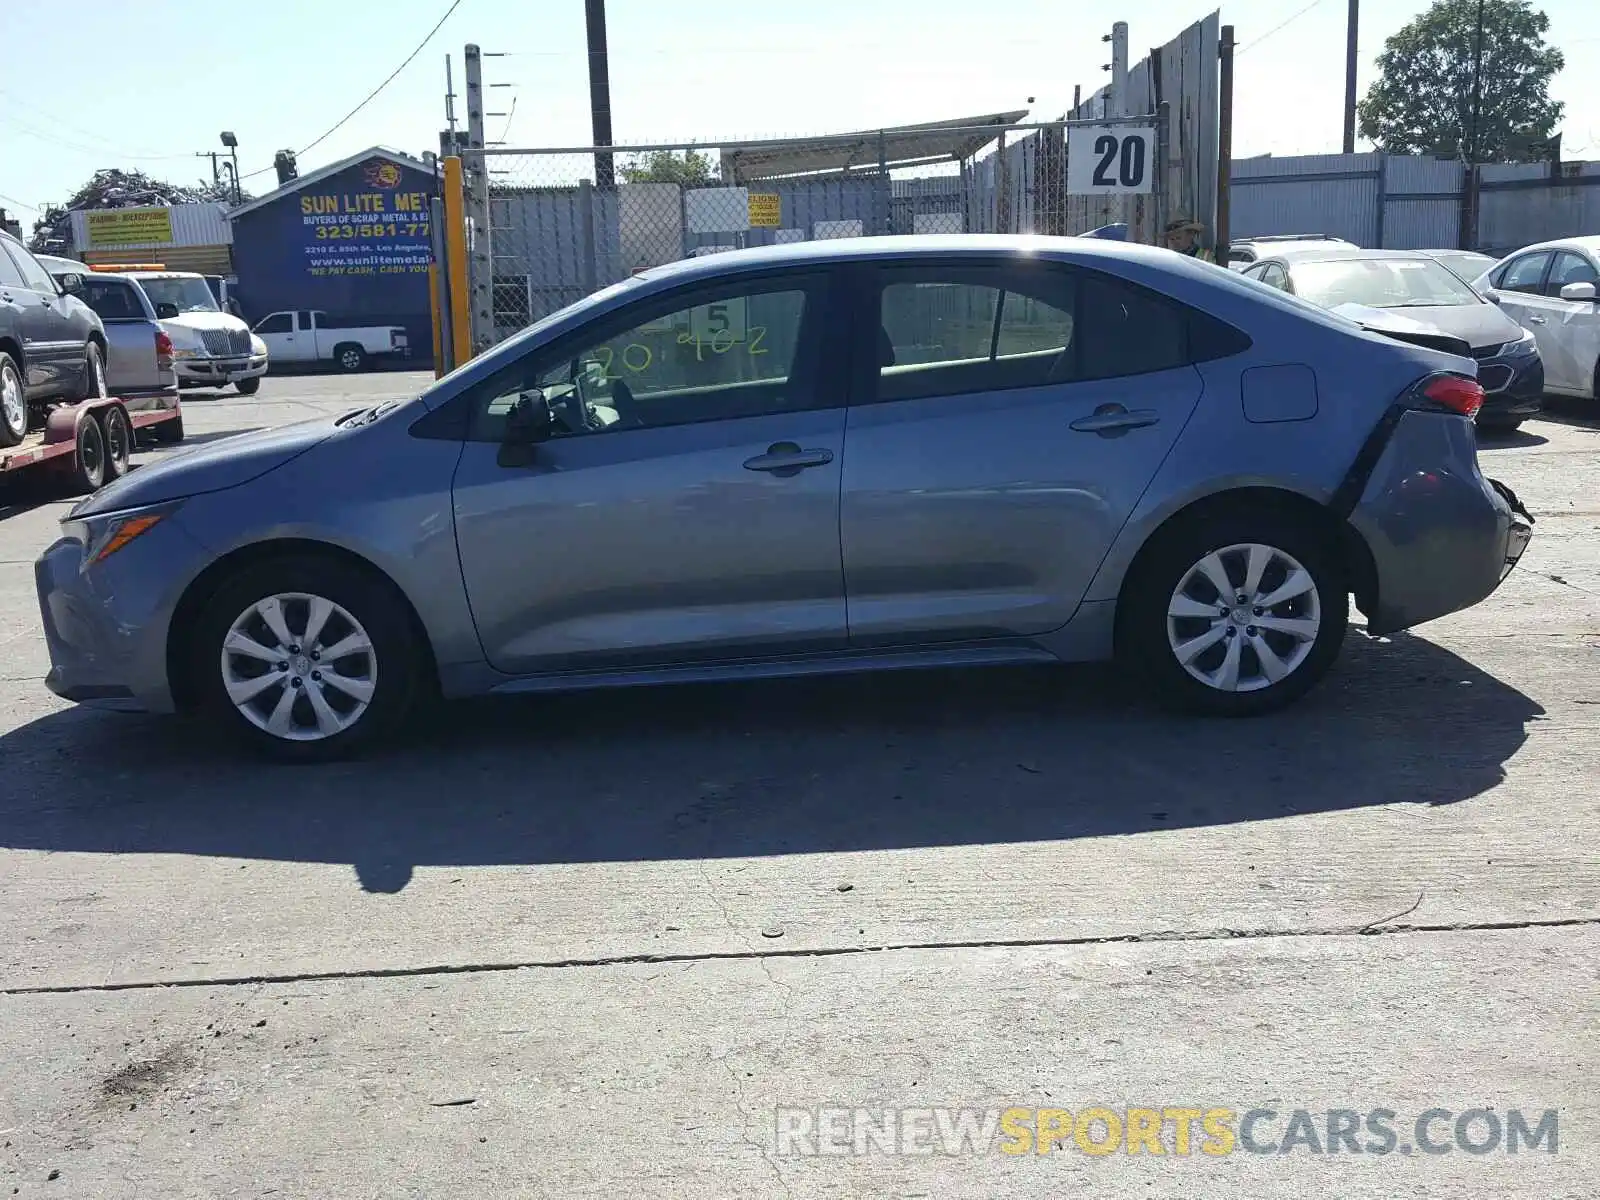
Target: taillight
x,y
163,349
1456,393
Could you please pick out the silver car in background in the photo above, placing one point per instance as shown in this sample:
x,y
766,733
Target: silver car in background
x,y
138,350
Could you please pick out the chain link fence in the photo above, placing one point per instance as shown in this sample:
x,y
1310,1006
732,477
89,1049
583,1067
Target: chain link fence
x,y
562,223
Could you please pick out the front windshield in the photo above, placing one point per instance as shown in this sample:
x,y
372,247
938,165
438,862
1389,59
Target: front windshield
x,y
1381,283
186,295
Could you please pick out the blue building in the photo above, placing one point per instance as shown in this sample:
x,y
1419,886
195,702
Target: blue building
x,y
350,239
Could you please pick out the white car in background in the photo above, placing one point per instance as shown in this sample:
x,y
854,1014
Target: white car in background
x,y
1550,289
210,348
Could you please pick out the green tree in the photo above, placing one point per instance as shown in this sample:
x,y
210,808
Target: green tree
x,y
692,169
114,188
1422,102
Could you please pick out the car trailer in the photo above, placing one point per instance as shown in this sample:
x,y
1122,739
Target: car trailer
x,y
88,444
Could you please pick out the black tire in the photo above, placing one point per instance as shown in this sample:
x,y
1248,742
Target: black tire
x,y
396,669
93,384
117,433
89,463
248,387
1151,588
13,402
168,433
350,357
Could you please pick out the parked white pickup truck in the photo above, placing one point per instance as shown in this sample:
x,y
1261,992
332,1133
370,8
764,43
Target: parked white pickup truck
x,y
308,337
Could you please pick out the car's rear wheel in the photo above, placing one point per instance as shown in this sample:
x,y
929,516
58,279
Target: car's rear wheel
x,y
13,403
1235,613
93,386
117,432
350,357
306,658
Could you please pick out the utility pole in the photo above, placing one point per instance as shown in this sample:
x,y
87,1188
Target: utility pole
x,y
216,175
1119,69
1351,28
1223,234
1474,151
594,13
479,254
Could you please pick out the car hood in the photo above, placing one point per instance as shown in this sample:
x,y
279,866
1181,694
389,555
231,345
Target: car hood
x,y
197,321
210,468
1479,325
1395,324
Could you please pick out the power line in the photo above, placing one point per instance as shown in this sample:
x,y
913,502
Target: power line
x,y
144,153
1290,20
19,203
372,95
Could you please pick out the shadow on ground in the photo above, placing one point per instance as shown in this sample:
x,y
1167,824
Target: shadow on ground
x,y
922,759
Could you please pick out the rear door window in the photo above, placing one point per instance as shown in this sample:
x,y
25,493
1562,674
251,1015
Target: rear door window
x,y
1526,274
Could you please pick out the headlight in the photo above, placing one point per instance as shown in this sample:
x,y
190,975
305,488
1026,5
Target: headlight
x,y
104,534
257,346
1526,344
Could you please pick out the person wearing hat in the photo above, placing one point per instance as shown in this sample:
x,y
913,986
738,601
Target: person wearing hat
x,y
1183,235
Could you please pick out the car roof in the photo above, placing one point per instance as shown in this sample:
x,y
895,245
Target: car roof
x,y
156,274
1591,244
1347,253
57,262
910,247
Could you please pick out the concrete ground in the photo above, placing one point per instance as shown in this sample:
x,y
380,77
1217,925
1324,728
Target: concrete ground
x,y
568,946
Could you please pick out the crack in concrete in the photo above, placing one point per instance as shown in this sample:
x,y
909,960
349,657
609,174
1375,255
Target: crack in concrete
x,y
1379,929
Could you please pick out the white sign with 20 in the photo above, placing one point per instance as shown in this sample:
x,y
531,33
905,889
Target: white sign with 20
x,y
1107,160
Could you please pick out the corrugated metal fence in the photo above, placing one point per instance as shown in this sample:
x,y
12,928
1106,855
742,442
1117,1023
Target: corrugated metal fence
x,y
1413,203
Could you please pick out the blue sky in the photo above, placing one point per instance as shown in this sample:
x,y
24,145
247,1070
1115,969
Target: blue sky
x,y
166,76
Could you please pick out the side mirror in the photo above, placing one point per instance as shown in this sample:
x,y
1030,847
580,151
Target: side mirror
x,y
528,424
1578,291
165,311
1492,296
72,283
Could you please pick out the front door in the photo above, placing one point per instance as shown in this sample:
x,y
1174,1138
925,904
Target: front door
x,y
686,506
1521,290
1016,414
1571,329
277,332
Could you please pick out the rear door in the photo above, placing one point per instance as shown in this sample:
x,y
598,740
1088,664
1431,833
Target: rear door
x,y
1573,327
1521,288
1010,416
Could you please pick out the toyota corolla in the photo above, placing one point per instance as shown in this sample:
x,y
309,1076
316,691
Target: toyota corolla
x,y
844,456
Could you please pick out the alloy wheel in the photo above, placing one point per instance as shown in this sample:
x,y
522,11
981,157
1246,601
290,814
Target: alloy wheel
x,y
299,667
16,409
1244,618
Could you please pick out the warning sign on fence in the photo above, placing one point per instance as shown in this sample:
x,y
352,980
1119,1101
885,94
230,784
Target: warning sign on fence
x,y
765,210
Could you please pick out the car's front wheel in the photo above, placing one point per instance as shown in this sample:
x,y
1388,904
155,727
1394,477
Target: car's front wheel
x,y
1234,613
248,387
306,658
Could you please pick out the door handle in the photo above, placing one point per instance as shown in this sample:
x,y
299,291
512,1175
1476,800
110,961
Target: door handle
x,y
787,458
1537,321
1111,420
